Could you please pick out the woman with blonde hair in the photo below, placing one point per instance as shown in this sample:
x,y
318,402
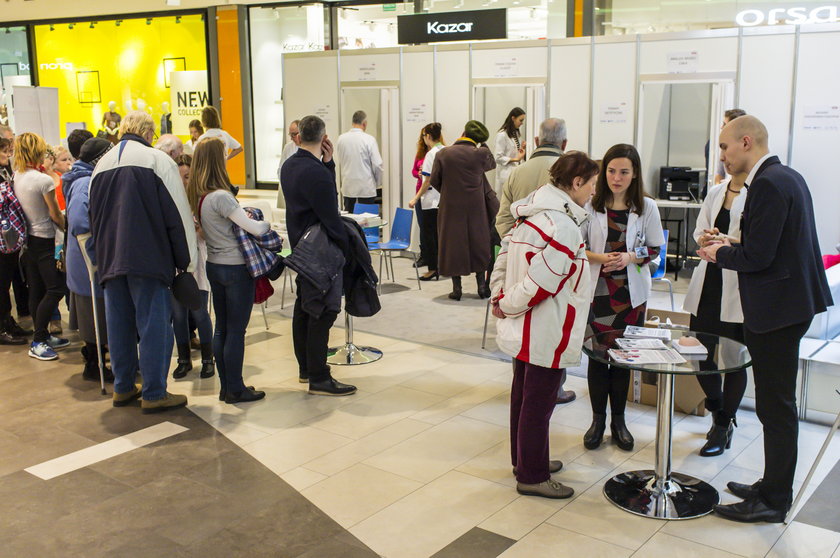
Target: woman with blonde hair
x,y
212,123
218,213
36,193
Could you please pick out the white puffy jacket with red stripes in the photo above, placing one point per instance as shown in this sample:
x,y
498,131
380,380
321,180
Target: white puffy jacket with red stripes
x,y
541,280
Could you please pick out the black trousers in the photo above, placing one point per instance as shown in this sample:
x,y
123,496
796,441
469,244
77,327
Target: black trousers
x,y
311,337
46,287
724,392
21,290
429,239
350,203
8,266
775,362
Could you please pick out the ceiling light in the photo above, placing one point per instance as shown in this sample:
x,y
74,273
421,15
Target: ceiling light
x,y
52,27
177,19
91,25
148,21
118,22
71,25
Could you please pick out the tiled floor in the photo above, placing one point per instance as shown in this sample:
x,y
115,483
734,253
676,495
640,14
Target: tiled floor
x,y
414,465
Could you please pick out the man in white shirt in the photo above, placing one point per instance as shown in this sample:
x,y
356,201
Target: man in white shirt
x,y
359,162
288,150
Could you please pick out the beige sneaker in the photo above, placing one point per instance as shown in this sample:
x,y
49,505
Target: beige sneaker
x,y
123,399
169,401
548,489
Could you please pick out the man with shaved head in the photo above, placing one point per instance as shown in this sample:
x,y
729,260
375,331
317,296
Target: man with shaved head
x,y
782,286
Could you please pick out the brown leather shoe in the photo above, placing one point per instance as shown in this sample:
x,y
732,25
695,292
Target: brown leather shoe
x,y
123,399
548,489
169,401
566,396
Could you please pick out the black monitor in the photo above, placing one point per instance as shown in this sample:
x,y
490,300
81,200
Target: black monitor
x,y
681,183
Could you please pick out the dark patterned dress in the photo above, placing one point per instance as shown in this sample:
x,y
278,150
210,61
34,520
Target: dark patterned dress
x,y
611,306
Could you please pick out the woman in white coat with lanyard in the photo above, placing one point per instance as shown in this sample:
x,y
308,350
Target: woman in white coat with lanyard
x,y
623,234
714,302
509,149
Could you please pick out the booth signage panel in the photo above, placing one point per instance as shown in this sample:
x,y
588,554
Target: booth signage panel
x,y
189,95
452,26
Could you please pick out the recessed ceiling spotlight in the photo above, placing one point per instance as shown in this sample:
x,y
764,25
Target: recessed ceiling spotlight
x,y
148,21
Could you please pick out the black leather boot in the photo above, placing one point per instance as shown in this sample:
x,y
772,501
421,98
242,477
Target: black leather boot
x,y
184,362
620,435
720,436
595,435
91,371
208,369
456,289
481,283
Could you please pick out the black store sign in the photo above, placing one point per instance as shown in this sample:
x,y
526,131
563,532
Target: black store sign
x,y
452,26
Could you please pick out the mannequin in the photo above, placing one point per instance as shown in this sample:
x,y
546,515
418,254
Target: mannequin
x,y
165,119
111,122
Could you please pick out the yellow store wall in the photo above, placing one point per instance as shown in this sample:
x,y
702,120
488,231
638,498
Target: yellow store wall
x,y
128,57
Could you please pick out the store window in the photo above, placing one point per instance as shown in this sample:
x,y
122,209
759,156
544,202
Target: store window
x,y
371,25
275,31
126,64
14,68
619,17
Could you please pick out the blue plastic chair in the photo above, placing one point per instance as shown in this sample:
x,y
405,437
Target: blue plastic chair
x,y
400,240
371,233
659,274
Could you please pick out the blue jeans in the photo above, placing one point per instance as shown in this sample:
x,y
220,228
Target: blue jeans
x,y
201,318
233,300
139,306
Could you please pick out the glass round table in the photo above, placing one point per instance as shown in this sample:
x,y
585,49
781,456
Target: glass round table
x,y
661,493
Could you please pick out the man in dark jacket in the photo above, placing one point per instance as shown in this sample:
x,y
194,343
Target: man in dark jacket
x,y
782,285
308,182
143,231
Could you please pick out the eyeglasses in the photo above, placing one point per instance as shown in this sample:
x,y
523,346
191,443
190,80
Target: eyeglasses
x,y
293,134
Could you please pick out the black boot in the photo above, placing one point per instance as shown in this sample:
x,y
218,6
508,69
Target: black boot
x,y
720,436
11,327
620,435
207,366
91,371
456,289
481,283
595,435
184,362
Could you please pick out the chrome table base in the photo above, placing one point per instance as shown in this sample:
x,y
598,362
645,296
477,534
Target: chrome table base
x,y
678,497
350,353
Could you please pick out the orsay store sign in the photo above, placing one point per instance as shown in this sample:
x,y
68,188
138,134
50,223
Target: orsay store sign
x,y
452,26
794,15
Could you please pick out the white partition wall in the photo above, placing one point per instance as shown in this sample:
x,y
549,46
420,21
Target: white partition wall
x,y
311,87
452,89
370,65
503,61
568,87
767,94
613,94
702,52
418,108
816,132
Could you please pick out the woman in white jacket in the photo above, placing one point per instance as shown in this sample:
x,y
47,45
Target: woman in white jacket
x,y
540,291
623,234
509,149
714,302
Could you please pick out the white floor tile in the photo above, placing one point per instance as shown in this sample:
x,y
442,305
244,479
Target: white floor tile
x,y
594,516
291,448
548,540
428,519
805,541
358,492
359,450
460,403
453,378
374,412
519,518
439,449
301,478
661,545
751,540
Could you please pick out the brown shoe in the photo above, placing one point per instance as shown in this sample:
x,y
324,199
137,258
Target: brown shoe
x,y
55,327
566,396
548,489
123,399
169,401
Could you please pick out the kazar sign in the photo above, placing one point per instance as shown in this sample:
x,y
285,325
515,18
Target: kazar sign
x,y
452,26
787,16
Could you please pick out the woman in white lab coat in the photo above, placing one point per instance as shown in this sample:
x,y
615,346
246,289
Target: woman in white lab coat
x,y
714,302
623,234
509,149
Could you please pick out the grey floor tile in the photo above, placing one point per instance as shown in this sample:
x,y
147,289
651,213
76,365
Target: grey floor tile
x,y
476,543
821,508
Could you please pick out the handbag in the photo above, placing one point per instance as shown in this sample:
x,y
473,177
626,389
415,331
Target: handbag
x,y
262,289
185,290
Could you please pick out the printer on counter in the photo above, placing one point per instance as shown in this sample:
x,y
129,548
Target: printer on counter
x,y
681,183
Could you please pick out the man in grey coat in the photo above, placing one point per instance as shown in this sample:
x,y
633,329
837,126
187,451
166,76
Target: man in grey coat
x,y
526,178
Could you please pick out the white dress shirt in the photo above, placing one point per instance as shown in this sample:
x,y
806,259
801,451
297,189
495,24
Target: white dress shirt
x,y
359,163
754,170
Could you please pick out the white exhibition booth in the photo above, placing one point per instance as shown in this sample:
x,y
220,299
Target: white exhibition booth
x,y
608,89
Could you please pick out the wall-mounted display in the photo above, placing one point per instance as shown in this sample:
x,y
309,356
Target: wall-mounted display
x,y
104,69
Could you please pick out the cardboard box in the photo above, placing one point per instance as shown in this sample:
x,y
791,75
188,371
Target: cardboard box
x,y
688,395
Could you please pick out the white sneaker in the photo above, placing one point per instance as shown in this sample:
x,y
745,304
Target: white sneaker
x,y
42,351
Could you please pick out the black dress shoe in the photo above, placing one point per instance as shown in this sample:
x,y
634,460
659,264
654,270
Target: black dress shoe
x,y
331,386
744,491
7,338
751,510
245,396
434,276
223,393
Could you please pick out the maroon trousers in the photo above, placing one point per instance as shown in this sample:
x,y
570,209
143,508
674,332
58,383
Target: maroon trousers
x,y
533,396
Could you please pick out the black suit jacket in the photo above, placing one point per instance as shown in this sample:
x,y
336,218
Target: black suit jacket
x,y
780,270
